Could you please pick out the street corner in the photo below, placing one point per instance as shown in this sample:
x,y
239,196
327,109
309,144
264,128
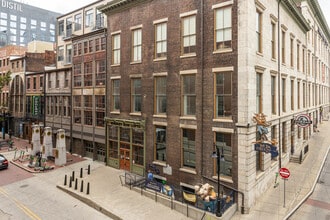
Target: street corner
x,y
37,164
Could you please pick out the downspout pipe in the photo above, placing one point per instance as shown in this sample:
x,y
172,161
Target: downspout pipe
x,y
202,90
279,84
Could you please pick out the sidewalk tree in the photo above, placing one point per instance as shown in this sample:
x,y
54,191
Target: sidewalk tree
x,y
5,79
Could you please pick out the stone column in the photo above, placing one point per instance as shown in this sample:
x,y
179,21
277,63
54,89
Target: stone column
x,y
48,143
60,158
36,146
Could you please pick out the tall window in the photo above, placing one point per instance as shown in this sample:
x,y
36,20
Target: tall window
x,y
298,57
77,77
77,109
292,95
283,46
160,143
259,93
88,74
273,137
188,148
137,146
160,95
223,28
259,30
136,99
88,113
61,28
68,55
28,84
188,95
137,45
60,56
100,73
161,40
303,60
100,110
116,49
291,53
68,27
223,93
298,94
77,22
188,34
273,41
273,94
115,95
223,143
89,18
283,95
304,95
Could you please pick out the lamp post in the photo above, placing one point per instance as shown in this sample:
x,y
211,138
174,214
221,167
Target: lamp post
x,y
217,156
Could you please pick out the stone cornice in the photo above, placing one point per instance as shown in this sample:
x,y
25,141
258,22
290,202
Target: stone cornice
x,y
291,6
318,14
118,5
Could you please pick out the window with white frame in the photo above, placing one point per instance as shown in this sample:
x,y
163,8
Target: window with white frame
x,y
223,28
223,94
116,49
115,95
161,40
160,95
89,18
137,45
188,34
136,96
188,94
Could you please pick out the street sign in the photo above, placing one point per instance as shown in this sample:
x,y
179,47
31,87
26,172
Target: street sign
x,y
303,120
284,172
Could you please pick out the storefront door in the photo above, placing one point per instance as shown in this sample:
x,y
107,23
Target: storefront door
x,y
124,159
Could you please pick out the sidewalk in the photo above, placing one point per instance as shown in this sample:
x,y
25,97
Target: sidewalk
x,y
299,185
107,195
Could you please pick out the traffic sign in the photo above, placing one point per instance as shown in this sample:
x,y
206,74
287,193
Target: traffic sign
x,y
284,172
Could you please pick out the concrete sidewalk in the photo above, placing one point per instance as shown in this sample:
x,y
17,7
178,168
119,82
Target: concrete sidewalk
x,y
298,187
107,195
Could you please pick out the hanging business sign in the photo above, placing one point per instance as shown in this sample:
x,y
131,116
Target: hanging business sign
x,y
303,120
36,105
267,148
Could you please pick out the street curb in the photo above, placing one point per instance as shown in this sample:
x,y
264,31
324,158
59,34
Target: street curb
x,y
312,188
23,167
90,203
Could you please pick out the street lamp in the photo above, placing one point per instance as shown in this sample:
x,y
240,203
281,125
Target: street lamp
x,y
218,156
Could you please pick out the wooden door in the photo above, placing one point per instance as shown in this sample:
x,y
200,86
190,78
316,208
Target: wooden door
x,y
124,159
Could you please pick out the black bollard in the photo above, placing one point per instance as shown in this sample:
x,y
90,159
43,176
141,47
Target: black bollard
x,y
76,184
89,169
65,180
70,182
81,172
82,186
72,175
87,189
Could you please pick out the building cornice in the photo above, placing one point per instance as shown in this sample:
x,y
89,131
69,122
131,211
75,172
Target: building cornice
x,y
291,6
119,5
318,14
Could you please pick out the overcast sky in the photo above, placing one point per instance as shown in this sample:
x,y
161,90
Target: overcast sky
x,y
65,6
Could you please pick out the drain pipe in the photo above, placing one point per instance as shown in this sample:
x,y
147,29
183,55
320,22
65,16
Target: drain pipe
x,y
202,75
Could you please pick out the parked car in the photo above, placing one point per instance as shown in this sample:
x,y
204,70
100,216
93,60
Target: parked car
x,y
3,162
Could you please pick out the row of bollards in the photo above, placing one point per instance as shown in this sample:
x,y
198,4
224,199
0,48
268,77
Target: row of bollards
x,y
75,180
